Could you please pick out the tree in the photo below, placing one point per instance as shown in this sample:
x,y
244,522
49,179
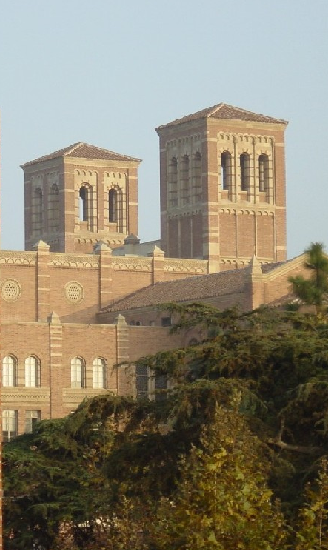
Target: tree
x,y
314,290
110,471
222,499
312,532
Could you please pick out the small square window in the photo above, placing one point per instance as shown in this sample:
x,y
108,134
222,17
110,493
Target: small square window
x,y
31,418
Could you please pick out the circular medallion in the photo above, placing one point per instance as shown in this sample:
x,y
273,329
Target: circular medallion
x,y
74,292
10,290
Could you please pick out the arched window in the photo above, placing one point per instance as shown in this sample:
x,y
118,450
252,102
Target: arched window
x,y
37,213
244,171
77,373
112,206
225,170
83,204
32,372
197,177
99,373
184,177
173,182
263,172
9,371
53,211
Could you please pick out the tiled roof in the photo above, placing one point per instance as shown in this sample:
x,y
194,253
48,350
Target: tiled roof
x,y
225,112
183,290
266,268
83,150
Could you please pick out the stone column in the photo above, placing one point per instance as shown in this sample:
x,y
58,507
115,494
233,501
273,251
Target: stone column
x,y
55,366
125,373
254,285
42,281
105,280
157,265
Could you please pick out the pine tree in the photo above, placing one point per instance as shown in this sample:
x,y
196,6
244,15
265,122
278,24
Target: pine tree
x,y
313,290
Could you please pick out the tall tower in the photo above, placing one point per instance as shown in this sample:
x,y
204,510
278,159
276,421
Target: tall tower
x,y
80,195
223,187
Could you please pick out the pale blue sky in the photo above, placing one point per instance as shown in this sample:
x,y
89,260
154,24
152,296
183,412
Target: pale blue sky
x,y
108,72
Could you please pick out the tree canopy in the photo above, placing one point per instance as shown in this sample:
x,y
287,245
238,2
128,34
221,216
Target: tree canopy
x,y
313,290
232,457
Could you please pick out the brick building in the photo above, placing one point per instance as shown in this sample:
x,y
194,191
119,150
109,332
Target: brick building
x,y
82,297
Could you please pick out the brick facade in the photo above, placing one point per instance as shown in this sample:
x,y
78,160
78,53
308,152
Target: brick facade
x,y
79,196
81,299
237,211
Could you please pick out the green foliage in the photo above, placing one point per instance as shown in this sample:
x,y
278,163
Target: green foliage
x,y
222,500
313,290
312,533
121,473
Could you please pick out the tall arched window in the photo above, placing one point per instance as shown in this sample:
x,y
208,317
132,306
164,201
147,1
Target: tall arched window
x,y
197,177
32,372
226,170
99,373
77,373
244,171
9,371
263,172
83,204
112,206
184,178
53,211
173,182
37,213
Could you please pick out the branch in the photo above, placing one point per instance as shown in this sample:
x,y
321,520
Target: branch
x,y
287,446
294,448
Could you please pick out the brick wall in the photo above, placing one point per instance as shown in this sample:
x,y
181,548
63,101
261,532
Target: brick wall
x,y
222,214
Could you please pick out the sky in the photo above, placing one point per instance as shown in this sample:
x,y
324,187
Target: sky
x,y
108,72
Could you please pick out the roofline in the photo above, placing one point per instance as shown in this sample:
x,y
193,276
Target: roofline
x,y
208,113
60,154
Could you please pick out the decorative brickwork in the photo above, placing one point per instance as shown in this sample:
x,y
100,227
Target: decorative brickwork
x,y
222,172
10,290
74,292
79,195
75,303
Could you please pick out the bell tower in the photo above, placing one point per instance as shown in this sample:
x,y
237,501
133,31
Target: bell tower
x,y
223,194
80,195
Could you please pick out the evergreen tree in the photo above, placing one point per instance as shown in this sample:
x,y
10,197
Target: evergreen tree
x,y
313,290
106,472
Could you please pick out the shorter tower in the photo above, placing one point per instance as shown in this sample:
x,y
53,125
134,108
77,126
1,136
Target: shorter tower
x,y
223,187
80,195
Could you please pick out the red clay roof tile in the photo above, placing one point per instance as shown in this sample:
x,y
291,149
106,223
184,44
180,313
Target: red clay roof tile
x,y
225,112
83,150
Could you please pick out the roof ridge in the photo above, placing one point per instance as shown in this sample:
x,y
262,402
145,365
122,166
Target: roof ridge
x,y
216,108
83,150
73,147
227,112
